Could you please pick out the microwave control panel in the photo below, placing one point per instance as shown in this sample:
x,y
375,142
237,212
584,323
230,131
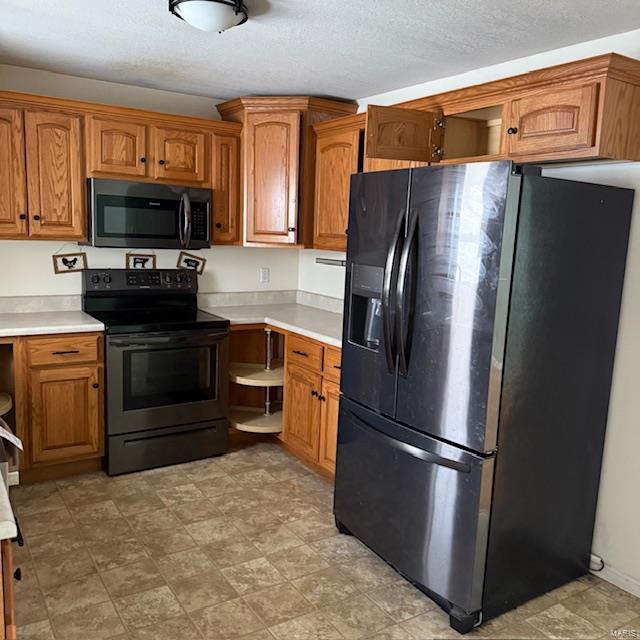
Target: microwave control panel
x,y
199,221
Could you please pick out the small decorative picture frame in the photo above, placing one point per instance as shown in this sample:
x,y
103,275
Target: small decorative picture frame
x,y
69,262
189,261
140,260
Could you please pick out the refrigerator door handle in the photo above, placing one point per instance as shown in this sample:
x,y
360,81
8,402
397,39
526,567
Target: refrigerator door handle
x,y
416,452
390,347
401,336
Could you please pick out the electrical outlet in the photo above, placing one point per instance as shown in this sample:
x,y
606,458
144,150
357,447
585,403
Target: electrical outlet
x,y
265,275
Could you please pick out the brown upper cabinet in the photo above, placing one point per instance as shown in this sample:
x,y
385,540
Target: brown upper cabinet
x,y
180,154
13,181
278,164
55,175
226,189
117,147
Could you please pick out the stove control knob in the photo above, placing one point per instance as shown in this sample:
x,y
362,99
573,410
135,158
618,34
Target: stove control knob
x,y
168,278
178,278
189,279
95,279
107,279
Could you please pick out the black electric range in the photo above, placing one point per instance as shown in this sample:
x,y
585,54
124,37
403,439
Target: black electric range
x,y
166,368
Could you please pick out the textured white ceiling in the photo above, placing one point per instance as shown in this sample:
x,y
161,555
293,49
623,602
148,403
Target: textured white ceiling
x,y
340,48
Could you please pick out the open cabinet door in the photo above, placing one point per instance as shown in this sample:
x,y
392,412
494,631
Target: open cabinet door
x,y
393,133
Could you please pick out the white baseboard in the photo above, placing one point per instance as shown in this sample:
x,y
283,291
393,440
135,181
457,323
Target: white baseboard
x,y
622,580
14,478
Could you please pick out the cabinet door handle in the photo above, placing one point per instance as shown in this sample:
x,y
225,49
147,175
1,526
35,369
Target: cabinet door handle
x,y
337,366
322,398
143,159
300,353
314,393
95,385
512,130
36,217
23,216
160,161
65,353
291,229
218,225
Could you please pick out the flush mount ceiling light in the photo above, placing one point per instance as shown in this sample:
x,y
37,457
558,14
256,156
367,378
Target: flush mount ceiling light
x,y
210,15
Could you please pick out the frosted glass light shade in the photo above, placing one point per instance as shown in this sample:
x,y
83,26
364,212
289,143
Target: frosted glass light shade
x,y
207,15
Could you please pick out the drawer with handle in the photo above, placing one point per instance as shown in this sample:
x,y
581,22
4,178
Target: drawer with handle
x,y
65,349
332,360
304,352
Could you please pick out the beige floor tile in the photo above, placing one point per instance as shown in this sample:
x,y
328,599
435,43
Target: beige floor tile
x,y
220,486
83,495
117,554
85,481
97,622
600,609
558,623
369,573
158,520
203,590
432,624
195,511
314,528
36,631
131,503
44,522
20,553
118,529
358,617
232,550
238,501
253,521
252,576
278,604
133,578
55,542
179,494
166,477
232,619
323,502
184,564
83,592
401,601
313,626
568,590
263,634
326,588
26,493
254,478
629,629
40,503
297,562
396,632
340,548
294,509
311,484
212,530
518,631
149,607
95,513
274,539
165,541
53,570
180,628
612,591
30,607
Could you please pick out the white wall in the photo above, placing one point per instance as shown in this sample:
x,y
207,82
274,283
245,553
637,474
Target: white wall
x,y
63,86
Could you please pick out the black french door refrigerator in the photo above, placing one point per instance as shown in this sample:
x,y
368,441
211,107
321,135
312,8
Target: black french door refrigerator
x,y
481,313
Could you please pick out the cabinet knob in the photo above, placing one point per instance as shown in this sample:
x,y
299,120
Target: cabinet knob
x,y
291,229
17,574
23,216
218,225
95,385
36,217
512,130
322,398
314,393
160,161
143,159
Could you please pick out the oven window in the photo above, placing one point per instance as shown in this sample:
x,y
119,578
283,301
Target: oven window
x,y
162,377
127,217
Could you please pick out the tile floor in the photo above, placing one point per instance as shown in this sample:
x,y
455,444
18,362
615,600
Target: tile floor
x,y
241,546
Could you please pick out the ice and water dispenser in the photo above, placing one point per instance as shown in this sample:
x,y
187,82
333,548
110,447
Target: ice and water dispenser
x,y
365,325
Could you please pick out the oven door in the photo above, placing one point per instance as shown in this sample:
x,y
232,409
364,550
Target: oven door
x,y
165,379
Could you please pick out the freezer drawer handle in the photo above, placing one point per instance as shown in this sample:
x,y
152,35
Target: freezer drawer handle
x,y
416,452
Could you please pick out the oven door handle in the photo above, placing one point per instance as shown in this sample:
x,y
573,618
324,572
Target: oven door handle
x,y
143,341
185,206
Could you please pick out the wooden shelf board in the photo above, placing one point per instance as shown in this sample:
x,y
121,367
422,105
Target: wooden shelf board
x,y
254,420
255,375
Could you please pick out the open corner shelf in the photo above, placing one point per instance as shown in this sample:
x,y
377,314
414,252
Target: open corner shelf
x,y
255,375
254,420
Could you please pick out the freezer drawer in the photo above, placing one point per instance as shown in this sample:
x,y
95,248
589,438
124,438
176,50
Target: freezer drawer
x,y
420,504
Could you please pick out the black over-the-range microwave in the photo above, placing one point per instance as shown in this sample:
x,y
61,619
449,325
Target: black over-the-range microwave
x,y
146,215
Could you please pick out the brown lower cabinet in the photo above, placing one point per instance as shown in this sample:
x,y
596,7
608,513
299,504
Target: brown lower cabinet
x,y
7,601
311,400
61,378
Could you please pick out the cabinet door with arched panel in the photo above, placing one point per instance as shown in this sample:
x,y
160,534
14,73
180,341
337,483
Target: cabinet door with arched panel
x,y
180,154
117,147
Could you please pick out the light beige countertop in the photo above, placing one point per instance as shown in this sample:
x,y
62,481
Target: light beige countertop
x,y
311,322
44,322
